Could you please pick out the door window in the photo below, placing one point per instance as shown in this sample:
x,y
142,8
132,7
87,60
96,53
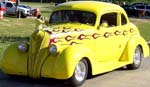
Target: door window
x,y
123,19
110,19
9,5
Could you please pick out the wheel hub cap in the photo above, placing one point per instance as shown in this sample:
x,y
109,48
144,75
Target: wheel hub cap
x,y
137,56
80,71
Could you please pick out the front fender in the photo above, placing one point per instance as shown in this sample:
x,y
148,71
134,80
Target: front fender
x,y
134,41
13,61
65,63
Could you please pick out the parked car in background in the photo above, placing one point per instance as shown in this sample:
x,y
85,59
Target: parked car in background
x,y
139,3
144,8
11,9
27,7
135,10
147,10
130,10
80,41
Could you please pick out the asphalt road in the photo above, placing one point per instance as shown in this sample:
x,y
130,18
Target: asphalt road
x,y
116,78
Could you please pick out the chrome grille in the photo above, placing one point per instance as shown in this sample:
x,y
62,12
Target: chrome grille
x,y
38,52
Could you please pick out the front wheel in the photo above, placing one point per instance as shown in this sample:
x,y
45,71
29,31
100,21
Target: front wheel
x,y
137,58
80,73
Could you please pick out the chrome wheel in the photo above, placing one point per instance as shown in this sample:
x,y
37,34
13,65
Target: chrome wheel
x,y
80,71
137,58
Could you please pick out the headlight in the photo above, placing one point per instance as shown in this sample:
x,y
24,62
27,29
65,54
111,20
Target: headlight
x,y
53,49
23,47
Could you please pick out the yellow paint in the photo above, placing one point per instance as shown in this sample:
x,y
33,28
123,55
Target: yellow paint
x,y
106,48
14,62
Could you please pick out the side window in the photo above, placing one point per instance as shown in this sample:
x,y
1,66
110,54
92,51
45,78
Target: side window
x,y
123,19
147,7
9,5
110,19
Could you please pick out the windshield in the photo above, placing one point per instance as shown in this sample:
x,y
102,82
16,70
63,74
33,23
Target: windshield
x,y
14,4
63,16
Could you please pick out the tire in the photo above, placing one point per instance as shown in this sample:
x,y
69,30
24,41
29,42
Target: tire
x,y
19,14
137,59
23,15
80,73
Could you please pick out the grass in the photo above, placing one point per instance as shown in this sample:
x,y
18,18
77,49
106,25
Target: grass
x,y
143,25
145,30
13,29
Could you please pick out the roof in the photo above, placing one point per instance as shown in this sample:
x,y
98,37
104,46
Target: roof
x,y
93,6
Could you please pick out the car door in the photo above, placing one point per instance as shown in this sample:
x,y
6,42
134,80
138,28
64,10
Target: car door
x,y
123,35
107,42
147,10
10,8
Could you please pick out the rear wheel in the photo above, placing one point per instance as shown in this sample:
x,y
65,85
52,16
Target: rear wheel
x,y
137,58
80,73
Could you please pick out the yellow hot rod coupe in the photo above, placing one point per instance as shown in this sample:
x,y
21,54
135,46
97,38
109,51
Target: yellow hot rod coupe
x,y
83,38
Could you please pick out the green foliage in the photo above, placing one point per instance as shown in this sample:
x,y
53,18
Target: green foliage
x,y
145,1
132,1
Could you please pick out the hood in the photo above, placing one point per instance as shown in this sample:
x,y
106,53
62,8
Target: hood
x,y
22,8
67,28
66,34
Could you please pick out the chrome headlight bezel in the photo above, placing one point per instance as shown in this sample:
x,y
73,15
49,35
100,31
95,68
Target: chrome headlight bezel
x,y
23,47
53,49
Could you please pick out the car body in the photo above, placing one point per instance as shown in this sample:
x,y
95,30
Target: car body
x,y
144,8
11,9
79,41
147,10
139,3
130,10
27,7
